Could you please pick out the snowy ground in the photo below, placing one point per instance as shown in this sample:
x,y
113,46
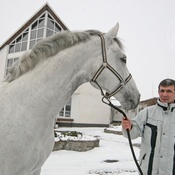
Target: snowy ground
x,y
112,147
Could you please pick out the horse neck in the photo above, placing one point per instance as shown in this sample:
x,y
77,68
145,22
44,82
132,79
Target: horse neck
x,y
62,75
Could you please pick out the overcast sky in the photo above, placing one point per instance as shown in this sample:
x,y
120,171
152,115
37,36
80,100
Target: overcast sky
x,y
147,30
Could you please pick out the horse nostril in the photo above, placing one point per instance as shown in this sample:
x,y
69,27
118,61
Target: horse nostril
x,y
133,103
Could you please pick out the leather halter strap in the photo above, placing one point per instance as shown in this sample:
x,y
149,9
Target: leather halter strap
x,y
106,65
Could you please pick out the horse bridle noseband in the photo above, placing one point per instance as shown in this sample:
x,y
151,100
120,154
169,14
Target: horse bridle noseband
x,y
106,65
106,96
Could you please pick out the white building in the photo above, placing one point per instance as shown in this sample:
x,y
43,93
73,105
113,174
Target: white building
x,y
85,107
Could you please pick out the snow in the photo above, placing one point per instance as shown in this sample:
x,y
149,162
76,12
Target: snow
x,y
112,157
82,137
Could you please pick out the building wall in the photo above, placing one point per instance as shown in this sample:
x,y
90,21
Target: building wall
x,y
87,106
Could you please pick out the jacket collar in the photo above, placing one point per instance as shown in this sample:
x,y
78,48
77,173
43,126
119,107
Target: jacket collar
x,y
166,106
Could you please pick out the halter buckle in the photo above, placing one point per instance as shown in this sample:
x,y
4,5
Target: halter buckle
x,y
105,64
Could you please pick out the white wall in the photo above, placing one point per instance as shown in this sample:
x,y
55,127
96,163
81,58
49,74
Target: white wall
x,y
87,106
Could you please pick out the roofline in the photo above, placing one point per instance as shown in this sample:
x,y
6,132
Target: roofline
x,y
46,7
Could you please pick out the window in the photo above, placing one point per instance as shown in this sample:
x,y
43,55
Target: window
x,y
20,44
43,27
37,31
66,110
52,26
11,62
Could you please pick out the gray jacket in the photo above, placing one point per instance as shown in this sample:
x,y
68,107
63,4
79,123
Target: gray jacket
x,y
156,126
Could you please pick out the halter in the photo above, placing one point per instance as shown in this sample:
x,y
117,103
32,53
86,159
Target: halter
x,y
106,65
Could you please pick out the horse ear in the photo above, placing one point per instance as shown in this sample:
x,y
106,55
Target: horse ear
x,y
113,32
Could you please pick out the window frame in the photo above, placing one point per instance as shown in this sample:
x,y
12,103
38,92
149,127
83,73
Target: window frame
x,y
66,110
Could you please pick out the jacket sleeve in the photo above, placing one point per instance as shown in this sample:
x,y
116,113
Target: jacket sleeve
x,y
138,124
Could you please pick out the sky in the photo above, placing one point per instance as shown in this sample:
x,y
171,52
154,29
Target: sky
x,y
147,30
92,162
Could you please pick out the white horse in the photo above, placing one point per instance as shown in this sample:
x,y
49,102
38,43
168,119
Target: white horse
x,y
36,90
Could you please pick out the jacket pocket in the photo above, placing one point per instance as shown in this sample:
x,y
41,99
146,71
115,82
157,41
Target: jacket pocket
x,y
142,158
144,162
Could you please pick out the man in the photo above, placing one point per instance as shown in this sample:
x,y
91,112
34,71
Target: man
x,y
156,126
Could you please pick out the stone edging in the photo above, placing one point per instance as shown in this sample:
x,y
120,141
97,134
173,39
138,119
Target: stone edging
x,y
112,131
76,145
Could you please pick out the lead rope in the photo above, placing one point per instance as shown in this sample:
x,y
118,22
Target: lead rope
x,y
127,130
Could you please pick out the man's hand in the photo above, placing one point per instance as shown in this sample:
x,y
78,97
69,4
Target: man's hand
x,y
126,123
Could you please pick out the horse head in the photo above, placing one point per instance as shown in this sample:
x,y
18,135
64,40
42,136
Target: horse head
x,y
113,75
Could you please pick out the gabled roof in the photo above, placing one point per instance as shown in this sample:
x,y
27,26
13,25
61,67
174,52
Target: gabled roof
x,y
149,102
46,7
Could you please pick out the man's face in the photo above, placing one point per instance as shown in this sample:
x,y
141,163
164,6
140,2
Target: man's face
x,y
167,94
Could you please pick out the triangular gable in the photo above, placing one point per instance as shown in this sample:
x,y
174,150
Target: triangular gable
x,y
46,7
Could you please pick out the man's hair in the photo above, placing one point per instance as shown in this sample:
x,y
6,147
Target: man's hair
x,y
167,82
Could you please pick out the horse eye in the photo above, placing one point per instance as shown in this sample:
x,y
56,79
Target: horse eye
x,y
123,59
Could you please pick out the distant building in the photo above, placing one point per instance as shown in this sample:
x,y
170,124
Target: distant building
x,y
116,116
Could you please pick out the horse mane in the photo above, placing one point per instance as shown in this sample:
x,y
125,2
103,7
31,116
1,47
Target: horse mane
x,y
46,48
